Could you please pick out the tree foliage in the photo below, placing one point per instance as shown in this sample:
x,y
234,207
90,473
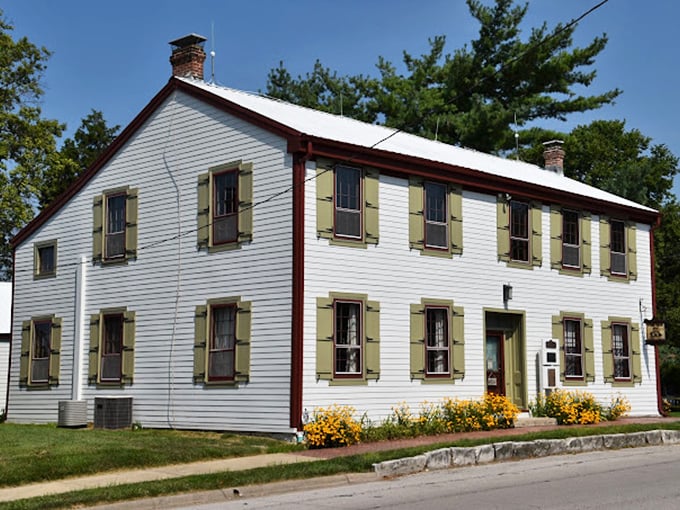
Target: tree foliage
x,y
469,97
27,140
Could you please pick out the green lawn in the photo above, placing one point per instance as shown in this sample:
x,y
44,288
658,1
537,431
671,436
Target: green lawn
x,y
38,453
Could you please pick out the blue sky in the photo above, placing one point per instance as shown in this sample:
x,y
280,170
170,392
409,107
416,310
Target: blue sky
x,y
113,56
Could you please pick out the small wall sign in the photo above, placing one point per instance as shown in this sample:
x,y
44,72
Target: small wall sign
x,y
655,331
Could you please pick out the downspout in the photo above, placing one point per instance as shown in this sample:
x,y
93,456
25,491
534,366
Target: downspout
x,y
300,158
79,330
659,396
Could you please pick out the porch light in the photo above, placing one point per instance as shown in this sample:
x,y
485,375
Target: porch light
x,y
507,292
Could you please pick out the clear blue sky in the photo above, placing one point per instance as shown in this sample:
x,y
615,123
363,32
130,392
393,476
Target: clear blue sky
x,y
113,56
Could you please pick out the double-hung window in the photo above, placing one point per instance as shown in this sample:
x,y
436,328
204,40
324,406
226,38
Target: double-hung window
x,y
437,341
40,351
621,351
112,348
618,248
114,233
225,204
222,351
519,231
348,217
436,214
571,240
573,349
347,340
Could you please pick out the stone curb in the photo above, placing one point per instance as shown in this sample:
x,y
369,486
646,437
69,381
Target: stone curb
x,y
445,458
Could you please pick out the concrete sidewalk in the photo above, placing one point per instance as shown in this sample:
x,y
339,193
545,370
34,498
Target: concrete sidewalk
x,y
150,474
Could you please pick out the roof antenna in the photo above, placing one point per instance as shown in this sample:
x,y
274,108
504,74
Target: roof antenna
x,y
212,52
436,130
516,139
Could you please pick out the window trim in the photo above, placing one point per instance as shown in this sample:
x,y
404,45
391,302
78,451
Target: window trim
x,y
630,249
97,339
38,273
635,352
448,335
121,233
587,348
504,228
100,226
357,374
104,342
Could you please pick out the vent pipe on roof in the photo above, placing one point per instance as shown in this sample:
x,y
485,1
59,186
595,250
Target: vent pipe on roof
x,y
188,56
553,154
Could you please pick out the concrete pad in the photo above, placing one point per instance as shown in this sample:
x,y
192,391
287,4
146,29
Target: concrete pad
x,y
438,459
531,421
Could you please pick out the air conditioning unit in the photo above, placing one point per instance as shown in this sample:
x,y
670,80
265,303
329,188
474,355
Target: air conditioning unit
x,y
72,413
112,412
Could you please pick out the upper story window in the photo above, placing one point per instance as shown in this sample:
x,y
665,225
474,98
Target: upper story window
x,y
519,230
436,216
437,340
348,217
40,351
348,339
45,259
347,204
225,207
571,239
114,232
618,249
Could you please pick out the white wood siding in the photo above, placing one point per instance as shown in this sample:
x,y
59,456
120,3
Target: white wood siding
x,y
4,371
396,277
182,139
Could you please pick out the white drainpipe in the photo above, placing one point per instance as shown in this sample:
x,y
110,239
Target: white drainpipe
x,y
79,330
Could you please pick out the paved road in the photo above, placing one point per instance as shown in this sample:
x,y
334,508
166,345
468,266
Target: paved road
x,y
639,478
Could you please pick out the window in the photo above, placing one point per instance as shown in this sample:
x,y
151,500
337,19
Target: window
x,y
519,231
435,218
573,349
222,341
225,207
347,204
348,339
40,356
45,259
519,227
112,347
114,233
618,252
621,352
437,345
574,334
437,340
570,246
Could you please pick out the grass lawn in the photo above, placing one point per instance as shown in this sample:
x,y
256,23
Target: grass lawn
x,y
39,453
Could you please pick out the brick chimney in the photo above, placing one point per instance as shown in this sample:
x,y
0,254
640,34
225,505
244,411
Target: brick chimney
x,y
553,154
188,56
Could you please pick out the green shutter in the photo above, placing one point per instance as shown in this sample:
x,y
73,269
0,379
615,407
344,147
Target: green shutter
x,y
324,338
556,225
93,354
97,227
371,194
372,332
456,206
25,356
586,244
636,352
416,227
607,355
458,347
200,343
589,348
128,354
557,334
203,215
55,351
324,202
631,234
605,240
417,341
243,341
536,234
245,203
503,228
131,213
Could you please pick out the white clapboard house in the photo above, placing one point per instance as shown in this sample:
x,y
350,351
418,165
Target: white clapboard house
x,y
234,261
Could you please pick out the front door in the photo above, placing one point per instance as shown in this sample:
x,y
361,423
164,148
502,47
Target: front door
x,y
495,382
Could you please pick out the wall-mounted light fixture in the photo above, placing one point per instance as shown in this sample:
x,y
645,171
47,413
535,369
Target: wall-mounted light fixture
x,y
507,292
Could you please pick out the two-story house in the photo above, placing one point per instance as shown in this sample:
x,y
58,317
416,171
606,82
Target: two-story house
x,y
234,260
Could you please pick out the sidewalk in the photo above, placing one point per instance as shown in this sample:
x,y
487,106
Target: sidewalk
x,y
244,463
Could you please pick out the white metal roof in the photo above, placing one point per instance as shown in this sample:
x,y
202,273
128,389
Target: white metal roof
x,y
5,307
346,130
